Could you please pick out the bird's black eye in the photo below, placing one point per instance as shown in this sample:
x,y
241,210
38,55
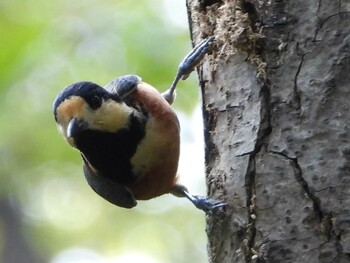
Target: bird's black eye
x,y
95,102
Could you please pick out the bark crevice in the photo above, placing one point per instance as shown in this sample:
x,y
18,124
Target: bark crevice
x,y
297,95
324,218
262,139
298,173
321,23
250,193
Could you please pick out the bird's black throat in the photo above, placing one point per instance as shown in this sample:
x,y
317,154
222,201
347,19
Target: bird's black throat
x,y
110,152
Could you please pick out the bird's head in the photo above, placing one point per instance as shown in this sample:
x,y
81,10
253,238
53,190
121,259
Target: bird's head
x,y
86,106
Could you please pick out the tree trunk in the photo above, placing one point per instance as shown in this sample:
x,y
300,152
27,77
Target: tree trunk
x,y
276,105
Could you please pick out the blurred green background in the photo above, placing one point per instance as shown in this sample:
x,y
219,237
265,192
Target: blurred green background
x,y
48,213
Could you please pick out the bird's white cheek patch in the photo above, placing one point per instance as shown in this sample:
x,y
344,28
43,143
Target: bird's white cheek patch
x,y
110,117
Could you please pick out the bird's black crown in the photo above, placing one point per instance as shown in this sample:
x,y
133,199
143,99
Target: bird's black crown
x,y
89,91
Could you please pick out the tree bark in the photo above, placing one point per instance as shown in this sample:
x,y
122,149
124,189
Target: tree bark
x,y
276,106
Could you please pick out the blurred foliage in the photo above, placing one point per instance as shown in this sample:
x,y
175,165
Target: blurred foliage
x,y
45,45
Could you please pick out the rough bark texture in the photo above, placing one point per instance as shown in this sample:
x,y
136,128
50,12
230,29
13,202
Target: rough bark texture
x,y
276,104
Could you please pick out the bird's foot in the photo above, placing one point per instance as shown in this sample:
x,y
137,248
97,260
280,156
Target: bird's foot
x,y
209,206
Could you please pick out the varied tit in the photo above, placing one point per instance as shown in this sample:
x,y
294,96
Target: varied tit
x,y
128,136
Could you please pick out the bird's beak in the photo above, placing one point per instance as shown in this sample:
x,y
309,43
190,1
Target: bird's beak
x,y
75,127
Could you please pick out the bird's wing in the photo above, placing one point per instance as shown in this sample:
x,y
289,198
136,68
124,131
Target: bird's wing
x,y
112,191
123,85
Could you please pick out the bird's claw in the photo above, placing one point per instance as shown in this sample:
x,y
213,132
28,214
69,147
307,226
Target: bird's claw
x,y
206,204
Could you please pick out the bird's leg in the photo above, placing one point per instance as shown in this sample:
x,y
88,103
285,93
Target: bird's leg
x,y
206,204
188,65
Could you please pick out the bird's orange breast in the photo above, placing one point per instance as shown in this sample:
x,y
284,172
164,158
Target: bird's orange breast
x,y
156,159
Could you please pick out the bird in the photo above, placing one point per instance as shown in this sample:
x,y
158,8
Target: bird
x,y
128,136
